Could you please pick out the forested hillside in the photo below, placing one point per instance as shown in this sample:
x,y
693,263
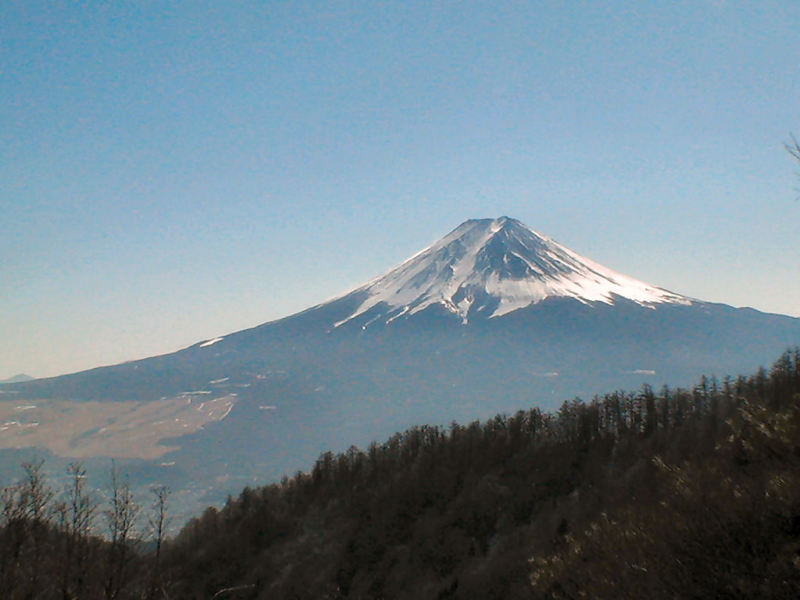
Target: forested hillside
x,y
675,493
650,494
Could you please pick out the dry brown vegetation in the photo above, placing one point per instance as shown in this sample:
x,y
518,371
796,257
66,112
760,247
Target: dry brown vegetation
x,y
124,429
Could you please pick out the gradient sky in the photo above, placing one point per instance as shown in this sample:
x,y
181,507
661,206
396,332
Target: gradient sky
x,y
170,172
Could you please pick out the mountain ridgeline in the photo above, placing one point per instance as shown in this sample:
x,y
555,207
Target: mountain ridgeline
x,y
492,317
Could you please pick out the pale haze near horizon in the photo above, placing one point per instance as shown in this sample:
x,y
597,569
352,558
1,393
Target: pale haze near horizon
x,y
172,173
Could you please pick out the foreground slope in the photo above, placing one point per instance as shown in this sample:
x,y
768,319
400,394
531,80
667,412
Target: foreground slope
x,y
492,317
682,493
689,493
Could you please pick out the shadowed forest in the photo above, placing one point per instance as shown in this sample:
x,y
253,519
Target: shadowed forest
x,y
674,493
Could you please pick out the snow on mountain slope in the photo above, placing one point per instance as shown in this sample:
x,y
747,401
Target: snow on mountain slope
x,y
497,266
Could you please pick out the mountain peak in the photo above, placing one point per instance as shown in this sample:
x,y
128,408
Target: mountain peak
x,y
17,378
493,225
491,267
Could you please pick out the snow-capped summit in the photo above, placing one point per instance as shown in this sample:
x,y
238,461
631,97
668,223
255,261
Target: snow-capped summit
x,y
493,267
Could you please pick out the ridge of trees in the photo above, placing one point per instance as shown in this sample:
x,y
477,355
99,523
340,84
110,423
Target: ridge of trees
x,y
65,543
500,509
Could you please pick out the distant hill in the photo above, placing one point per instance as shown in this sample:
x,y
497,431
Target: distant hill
x,y
17,379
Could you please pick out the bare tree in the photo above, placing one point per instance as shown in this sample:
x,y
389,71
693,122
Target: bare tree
x,y
13,531
121,517
76,513
158,521
35,491
36,496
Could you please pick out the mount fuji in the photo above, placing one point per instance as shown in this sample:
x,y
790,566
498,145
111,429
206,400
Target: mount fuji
x,y
492,318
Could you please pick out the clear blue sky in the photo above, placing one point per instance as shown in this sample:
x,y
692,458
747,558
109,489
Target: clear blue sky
x,y
170,172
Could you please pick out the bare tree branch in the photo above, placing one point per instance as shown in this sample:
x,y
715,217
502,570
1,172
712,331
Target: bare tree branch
x,y
793,147
230,590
